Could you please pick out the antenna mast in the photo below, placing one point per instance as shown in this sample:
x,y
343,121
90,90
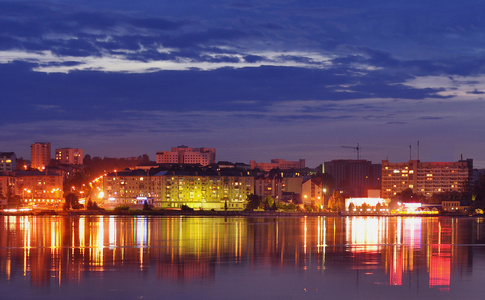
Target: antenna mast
x,y
418,150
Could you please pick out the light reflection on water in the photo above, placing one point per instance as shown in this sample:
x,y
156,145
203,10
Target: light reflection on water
x,y
237,257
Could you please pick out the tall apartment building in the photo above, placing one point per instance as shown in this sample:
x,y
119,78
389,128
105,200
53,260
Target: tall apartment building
x,y
40,155
8,161
353,176
69,156
187,155
425,178
278,164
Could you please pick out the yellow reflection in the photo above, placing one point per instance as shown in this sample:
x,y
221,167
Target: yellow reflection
x,y
82,233
97,242
54,235
187,247
365,233
412,232
112,232
11,223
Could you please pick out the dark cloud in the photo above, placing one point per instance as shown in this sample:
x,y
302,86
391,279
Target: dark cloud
x,y
156,23
476,92
253,58
431,118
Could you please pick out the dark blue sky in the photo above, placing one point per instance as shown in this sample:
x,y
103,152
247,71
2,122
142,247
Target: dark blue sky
x,y
254,79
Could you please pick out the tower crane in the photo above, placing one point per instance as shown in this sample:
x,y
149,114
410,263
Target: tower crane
x,y
355,148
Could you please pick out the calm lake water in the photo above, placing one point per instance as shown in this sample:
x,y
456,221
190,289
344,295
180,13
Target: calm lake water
x,y
142,257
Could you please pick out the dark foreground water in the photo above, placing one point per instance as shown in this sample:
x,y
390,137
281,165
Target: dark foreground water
x,y
109,257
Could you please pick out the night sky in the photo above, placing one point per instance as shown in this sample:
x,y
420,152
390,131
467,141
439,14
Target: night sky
x,y
254,79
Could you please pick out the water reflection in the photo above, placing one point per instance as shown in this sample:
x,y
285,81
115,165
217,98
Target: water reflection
x,y
416,252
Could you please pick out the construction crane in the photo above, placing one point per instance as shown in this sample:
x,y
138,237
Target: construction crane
x,y
355,148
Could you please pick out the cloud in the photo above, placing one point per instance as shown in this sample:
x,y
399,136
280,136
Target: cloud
x,y
49,62
476,92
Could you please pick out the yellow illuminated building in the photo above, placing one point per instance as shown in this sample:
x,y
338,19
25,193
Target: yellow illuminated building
x,y
199,190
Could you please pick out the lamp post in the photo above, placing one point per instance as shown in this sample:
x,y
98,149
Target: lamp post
x,y
324,190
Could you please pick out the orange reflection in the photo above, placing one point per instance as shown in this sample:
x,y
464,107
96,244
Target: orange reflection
x,y
192,247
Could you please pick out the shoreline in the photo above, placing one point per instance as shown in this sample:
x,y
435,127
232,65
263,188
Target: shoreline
x,y
206,213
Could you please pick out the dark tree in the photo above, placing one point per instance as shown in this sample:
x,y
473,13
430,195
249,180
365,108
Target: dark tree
x,y
87,159
186,208
144,158
72,201
92,205
146,206
254,201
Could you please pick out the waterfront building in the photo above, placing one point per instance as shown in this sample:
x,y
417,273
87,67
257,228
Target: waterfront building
x,y
69,156
4,188
312,192
187,155
269,185
40,155
43,189
278,164
292,184
204,190
173,188
128,188
354,176
425,178
450,205
8,162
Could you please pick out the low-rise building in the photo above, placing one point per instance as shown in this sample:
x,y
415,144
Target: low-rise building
x,y
312,192
450,205
42,189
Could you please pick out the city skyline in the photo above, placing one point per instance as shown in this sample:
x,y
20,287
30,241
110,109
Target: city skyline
x,y
255,80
